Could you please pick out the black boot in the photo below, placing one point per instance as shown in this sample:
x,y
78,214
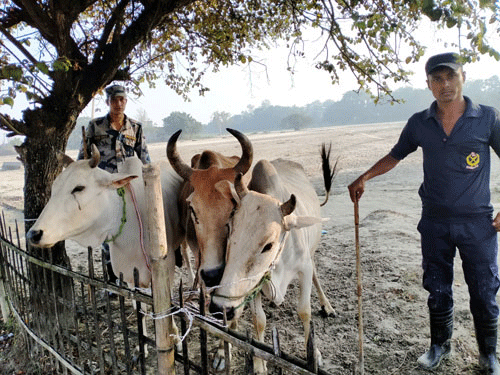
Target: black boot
x,y
441,331
486,335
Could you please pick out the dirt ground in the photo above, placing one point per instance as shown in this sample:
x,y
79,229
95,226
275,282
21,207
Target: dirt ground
x,y
395,318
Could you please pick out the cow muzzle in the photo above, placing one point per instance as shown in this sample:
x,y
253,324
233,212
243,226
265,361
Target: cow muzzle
x,y
34,237
212,277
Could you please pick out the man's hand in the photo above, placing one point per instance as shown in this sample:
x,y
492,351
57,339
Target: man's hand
x,y
357,188
496,222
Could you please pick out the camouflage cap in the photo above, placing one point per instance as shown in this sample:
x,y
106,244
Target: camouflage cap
x,y
115,90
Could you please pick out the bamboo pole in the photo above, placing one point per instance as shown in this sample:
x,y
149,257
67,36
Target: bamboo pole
x,y
156,246
361,363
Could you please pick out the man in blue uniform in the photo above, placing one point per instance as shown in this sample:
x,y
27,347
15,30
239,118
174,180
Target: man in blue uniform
x,y
117,137
455,135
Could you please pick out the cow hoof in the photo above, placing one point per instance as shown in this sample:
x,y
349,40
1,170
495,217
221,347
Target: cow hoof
x,y
319,357
327,312
178,344
260,367
219,363
138,351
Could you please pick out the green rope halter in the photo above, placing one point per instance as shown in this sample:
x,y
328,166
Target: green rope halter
x,y
256,290
121,193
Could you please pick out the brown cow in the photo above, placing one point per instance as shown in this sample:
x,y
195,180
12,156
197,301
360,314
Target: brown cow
x,y
206,202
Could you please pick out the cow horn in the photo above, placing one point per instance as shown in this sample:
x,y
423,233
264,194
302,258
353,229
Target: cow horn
x,y
182,169
247,152
288,207
239,186
95,158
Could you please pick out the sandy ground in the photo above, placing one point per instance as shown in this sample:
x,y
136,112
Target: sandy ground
x,y
395,317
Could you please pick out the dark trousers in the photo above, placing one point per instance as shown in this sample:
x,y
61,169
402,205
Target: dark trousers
x,y
476,241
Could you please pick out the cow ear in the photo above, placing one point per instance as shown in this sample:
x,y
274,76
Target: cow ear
x,y
297,222
227,190
239,186
120,182
64,159
288,207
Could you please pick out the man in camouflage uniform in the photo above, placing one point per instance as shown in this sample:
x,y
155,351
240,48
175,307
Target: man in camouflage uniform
x,y
117,137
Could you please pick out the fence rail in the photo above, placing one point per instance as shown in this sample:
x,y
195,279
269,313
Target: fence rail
x,y
87,325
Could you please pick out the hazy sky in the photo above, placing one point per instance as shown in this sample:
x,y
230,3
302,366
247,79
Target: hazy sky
x,y
235,88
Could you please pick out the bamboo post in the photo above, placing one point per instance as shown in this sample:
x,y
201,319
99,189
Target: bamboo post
x,y
361,363
156,246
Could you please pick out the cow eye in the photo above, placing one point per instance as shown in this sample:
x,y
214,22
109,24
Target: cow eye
x,y
268,247
77,189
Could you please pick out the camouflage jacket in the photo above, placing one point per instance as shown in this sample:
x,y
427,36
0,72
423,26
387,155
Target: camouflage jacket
x,y
114,146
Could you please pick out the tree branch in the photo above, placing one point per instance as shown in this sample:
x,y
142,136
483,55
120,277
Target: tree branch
x,y
6,123
18,45
116,15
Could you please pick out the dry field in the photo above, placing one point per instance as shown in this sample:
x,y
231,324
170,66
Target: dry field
x,y
394,303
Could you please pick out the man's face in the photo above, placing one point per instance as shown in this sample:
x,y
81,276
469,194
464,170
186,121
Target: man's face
x,y
446,84
117,104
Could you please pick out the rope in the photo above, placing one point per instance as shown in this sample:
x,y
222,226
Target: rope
x,y
256,290
121,192
141,228
265,279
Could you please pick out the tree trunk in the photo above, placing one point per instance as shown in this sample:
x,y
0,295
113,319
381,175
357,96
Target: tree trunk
x,y
40,169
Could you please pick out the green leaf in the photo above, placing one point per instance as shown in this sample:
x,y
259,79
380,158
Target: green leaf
x,y
8,101
41,66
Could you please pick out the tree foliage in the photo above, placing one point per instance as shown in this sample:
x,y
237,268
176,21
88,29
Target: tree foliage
x,y
296,121
220,121
181,121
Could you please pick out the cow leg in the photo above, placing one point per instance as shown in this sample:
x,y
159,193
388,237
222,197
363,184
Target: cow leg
x,y
143,311
259,322
219,363
177,339
171,277
326,308
304,307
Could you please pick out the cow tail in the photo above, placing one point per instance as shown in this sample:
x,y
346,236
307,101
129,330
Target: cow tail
x,y
328,170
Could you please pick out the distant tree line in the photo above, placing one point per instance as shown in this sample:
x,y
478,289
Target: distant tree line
x,y
353,108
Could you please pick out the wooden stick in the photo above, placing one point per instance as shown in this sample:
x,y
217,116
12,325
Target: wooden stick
x,y
359,289
84,144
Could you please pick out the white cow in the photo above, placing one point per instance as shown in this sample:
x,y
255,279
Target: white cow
x,y
271,243
85,206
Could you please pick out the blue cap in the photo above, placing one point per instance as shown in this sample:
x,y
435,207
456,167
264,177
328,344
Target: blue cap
x,y
449,59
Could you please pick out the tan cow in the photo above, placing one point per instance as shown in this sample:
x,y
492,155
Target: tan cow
x,y
271,243
206,203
